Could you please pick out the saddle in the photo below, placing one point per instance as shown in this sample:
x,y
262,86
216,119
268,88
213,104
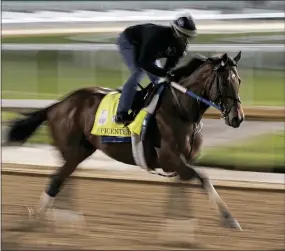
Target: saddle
x,y
142,97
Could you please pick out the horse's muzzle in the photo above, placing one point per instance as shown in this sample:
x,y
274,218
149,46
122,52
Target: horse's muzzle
x,y
236,121
235,116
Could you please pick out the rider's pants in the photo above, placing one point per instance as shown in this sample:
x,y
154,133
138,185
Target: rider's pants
x,y
127,51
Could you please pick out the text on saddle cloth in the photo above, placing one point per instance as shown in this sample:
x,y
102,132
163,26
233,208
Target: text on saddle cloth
x,y
104,123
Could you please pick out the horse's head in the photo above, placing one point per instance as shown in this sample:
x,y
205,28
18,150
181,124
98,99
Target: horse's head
x,y
212,79
222,87
225,89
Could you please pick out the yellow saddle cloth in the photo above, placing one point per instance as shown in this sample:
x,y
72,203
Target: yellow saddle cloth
x,y
104,123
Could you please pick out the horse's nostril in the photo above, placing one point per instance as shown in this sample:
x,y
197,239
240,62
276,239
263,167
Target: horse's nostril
x,y
236,121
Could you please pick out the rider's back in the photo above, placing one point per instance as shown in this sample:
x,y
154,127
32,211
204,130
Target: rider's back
x,y
136,34
154,41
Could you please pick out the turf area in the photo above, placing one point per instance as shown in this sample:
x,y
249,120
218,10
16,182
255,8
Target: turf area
x,y
260,153
262,37
50,79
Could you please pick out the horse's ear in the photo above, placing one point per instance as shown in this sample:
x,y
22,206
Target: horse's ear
x,y
224,59
237,57
221,62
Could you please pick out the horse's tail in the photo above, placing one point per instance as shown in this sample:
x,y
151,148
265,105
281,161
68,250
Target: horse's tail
x,y
21,129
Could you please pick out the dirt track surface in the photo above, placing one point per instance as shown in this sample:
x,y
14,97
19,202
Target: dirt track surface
x,y
131,216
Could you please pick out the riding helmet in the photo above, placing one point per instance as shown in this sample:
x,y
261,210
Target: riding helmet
x,y
184,27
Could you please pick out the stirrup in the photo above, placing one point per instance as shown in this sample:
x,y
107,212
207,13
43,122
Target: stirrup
x,y
140,86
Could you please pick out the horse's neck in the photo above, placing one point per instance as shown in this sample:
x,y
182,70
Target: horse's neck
x,y
192,108
196,109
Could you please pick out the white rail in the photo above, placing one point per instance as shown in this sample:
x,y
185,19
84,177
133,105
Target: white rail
x,y
49,16
96,47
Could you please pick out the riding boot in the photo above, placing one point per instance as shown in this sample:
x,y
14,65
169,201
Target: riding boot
x,y
123,118
126,100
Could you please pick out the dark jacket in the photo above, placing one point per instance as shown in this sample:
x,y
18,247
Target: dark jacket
x,y
153,42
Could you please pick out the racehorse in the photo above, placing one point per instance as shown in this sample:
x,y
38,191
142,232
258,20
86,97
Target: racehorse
x,y
171,143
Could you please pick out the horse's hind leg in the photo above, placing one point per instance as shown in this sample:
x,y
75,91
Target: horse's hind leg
x,y
73,154
188,173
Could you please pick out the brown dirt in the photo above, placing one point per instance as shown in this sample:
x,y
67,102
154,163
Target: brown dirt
x,y
130,215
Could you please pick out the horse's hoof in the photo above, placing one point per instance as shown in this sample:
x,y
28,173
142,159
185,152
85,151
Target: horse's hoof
x,y
34,217
32,214
74,220
231,222
33,220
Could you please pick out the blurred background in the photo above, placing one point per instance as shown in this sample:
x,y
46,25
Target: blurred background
x,y
50,48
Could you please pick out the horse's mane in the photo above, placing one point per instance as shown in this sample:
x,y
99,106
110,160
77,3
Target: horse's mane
x,y
189,67
194,63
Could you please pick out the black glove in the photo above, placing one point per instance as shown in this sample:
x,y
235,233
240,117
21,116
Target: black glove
x,y
170,76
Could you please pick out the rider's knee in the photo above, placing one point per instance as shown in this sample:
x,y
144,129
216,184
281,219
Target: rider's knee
x,y
137,72
136,76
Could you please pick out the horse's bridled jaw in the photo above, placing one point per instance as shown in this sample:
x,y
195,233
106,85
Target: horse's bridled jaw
x,y
235,118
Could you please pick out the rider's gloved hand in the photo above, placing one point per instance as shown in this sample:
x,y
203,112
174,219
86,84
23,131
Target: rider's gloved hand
x,y
170,76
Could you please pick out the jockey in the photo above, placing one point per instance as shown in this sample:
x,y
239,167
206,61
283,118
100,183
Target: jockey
x,y
141,46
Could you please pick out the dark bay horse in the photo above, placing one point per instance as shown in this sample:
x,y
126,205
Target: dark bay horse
x,y
170,146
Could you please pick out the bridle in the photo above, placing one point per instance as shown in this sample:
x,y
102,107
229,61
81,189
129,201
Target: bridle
x,y
217,103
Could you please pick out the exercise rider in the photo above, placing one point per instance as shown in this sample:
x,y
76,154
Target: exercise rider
x,y
141,46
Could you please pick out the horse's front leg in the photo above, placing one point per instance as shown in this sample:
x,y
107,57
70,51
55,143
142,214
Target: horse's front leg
x,y
220,205
187,173
193,149
172,155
